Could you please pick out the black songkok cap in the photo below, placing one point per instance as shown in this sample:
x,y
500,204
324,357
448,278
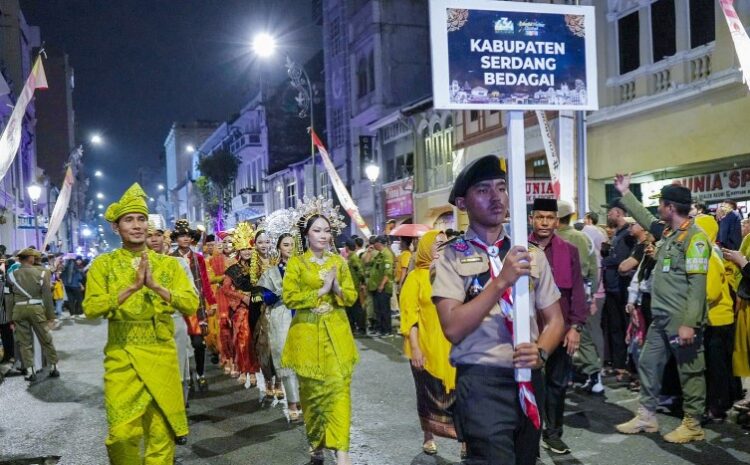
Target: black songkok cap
x,y
545,205
482,169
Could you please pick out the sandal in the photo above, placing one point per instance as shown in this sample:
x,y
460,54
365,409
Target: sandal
x,y
295,416
430,447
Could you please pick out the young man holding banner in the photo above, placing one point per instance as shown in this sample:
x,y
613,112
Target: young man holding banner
x,y
498,418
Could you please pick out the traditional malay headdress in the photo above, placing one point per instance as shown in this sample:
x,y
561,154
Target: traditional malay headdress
x,y
182,228
282,222
155,223
312,206
243,237
132,201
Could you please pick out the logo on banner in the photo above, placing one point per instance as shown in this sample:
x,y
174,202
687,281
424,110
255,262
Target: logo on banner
x,y
504,26
530,28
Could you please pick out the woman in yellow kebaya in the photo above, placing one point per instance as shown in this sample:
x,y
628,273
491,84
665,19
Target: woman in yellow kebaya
x,y
320,346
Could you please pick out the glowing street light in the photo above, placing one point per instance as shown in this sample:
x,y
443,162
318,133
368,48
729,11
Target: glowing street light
x,y
99,195
151,199
190,148
264,45
372,171
98,174
100,207
86,232
96,139
160,187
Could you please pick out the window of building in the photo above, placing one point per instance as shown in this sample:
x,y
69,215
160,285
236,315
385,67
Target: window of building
x,y
334,37
362,77
439,156
628,31
291,194
337,127
473,115
663,29
325,185
702,22
371,71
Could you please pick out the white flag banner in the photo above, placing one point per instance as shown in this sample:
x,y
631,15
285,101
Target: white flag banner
x,y
553,159
739,36
61,207
340,188
11,138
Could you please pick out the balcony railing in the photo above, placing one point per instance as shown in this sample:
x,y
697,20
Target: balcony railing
x,y
245,140
243,201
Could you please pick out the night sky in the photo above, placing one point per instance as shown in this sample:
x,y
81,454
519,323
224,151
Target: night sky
x,y
142,64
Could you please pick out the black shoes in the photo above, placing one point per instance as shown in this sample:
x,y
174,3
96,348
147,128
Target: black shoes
x,y
202,384
555,445
215,359
29,375
53,373
180,440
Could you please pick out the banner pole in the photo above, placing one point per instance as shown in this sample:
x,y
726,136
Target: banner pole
x,y
518,233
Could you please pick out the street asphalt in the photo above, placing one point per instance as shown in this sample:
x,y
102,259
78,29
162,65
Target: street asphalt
x,y
61,421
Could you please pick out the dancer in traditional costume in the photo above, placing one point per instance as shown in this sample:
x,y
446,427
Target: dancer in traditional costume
x,y
427,348
281,227
237,289
155,240
219,264
259,263
212,338
320,346
137,290
198,323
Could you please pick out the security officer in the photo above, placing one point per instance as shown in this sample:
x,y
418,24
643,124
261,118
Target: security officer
x,y
33,310
498,418
678,305
380,284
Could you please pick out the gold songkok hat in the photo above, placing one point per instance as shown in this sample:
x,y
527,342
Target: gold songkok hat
x,y
244,236
132,201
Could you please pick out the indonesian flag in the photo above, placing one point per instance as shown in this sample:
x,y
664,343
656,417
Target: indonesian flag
x,y
553,159
739,36
11,138
339,187
61,207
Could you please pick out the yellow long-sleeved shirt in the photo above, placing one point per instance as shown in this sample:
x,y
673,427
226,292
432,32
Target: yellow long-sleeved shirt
x,y
718,297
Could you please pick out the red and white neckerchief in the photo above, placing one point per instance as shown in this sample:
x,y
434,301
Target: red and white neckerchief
x,y
525,389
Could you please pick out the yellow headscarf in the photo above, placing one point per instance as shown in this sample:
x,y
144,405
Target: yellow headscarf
x,y
132,201
424,249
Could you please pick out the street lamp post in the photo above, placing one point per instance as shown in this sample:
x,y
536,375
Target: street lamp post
x,y
264,45
35,191
372,171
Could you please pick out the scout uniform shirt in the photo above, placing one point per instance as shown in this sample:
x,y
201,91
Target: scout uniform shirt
x,y
682,257
460,263
381,265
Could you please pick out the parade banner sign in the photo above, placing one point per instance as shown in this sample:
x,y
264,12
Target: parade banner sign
x,y
513,56
739,36
339,187
61,207
11,138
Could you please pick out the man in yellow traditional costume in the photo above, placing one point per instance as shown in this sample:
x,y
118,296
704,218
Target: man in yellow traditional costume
x,y
137,290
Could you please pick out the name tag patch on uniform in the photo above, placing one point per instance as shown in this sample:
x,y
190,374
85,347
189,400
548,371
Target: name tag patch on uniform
x,y
666,265
475,259
697,256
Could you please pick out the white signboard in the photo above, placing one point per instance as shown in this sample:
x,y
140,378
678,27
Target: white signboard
x,y
706,188
495,55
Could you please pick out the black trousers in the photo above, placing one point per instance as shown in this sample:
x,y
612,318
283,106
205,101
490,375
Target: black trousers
x,y
489,419
614,325
75,300
357,317
382,304
199,347
556,374
718,342
6,334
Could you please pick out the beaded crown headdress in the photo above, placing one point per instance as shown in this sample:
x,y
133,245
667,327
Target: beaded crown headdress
x,y
243,236
181,228
312,206
282,222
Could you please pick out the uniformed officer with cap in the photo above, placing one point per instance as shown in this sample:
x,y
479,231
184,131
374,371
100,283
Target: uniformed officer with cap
x,y
678,305
32,311
497,418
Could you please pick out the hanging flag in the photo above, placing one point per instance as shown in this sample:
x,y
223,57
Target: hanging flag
x,y
11,138
553,160
739,36
339,187
61,207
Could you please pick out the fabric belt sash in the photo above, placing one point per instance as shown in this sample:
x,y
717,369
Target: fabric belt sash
x,y
30,302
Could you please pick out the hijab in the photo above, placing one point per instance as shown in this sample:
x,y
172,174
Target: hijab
x,y
424,249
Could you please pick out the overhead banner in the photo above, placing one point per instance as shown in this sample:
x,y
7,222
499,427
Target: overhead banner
x,y
61,207
344,197
739,36
513,56
707,188
11,138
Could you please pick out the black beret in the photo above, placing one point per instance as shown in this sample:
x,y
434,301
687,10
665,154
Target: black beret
x,y
545,205
482,169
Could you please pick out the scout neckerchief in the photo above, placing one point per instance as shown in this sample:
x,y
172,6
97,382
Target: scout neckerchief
x,y
525,389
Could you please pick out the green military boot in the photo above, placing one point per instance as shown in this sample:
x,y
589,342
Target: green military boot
x,y
643,422
689,430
